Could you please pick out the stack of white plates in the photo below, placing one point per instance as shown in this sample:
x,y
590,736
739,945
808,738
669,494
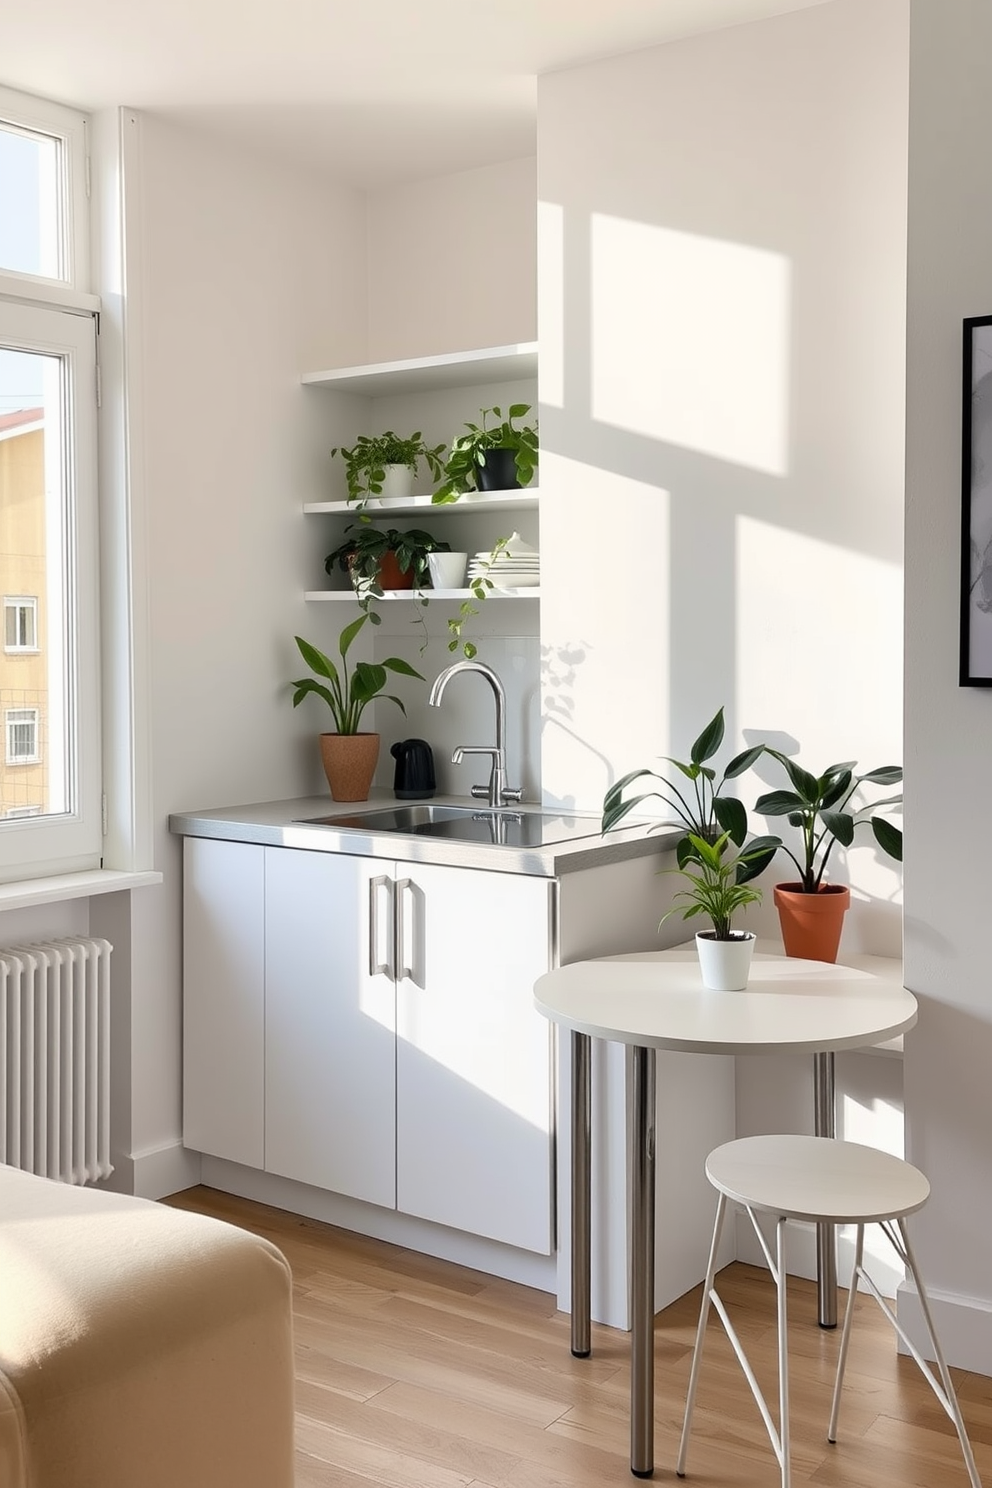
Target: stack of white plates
x,y
517,565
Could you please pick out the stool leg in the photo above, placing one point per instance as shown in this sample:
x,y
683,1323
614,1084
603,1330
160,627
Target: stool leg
x,y
783,1355
953,1409
704,1311
845,1336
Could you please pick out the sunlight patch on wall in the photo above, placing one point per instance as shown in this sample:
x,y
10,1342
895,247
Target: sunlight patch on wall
x,y
551,301
690,341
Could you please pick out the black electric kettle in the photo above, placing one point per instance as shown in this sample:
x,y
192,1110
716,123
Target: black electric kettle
x,y
414,777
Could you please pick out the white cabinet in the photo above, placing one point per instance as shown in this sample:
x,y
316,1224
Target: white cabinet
x,y
330,1028
367,1027
224,999
473,1063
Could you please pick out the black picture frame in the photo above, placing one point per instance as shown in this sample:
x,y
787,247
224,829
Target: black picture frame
x,y
976,504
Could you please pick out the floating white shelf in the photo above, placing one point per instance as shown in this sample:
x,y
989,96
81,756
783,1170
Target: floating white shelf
x,y
487,501
425,374
532,591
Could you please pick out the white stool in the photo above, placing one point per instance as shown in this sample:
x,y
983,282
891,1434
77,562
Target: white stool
x,y
817,1178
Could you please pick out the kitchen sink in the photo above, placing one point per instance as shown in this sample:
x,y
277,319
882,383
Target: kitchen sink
x,y
502,828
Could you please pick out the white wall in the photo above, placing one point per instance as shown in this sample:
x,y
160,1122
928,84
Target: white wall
x,y
451,262
948,811
721,303
242,277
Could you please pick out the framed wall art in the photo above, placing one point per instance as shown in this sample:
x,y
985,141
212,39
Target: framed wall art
x,y
976,505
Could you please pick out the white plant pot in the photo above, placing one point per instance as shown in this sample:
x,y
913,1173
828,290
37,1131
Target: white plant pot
x,y
447,570
397,483
725,964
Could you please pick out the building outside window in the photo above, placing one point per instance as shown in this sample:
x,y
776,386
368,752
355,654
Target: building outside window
x,y
20,623
21,728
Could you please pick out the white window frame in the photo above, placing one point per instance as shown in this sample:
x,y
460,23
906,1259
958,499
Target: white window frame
x,y
18,813
29,604
21,112
16,718
59,317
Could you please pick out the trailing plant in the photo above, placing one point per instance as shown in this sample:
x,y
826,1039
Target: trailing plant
x,y
366,461
820,806
699,802
468,451
362,552
480,587
348,694
717,887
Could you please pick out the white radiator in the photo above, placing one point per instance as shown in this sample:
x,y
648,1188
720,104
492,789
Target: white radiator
x,y
55,1059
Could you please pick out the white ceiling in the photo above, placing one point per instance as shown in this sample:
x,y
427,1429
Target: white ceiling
x,y
373,91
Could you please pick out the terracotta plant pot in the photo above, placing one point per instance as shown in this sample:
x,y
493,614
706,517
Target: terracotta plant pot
x,y
349,764
812,923
390,575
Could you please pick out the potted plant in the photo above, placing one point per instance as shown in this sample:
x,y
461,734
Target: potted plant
x,y
378,559
491,457
718,889
384,465
811,910
699,802
349,756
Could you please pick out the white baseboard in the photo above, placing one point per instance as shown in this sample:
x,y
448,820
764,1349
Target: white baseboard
x,y
800,1250
963,1326
488,1256
160,1171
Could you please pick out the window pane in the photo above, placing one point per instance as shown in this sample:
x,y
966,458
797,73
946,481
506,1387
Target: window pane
x,y
36,668
30,228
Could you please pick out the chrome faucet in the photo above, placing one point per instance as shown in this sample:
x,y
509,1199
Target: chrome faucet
x,y
496,792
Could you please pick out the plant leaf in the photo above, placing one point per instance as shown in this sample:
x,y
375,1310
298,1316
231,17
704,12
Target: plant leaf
x,y
778,803
888,837
709,740
732,816
833,792
397,664
743,761
841,824
316,660
348,635
887,775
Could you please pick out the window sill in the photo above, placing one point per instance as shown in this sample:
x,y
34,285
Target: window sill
x,y
27,891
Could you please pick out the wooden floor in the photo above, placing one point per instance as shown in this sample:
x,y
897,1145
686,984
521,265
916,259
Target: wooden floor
x,y
415,1373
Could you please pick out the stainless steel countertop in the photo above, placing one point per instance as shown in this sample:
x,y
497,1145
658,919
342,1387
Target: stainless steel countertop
x,y
275,824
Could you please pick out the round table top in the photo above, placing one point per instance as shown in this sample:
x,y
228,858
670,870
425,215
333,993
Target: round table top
x,y
656,999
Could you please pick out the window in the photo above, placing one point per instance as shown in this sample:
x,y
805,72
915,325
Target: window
x,y
21,726
49,662
20,623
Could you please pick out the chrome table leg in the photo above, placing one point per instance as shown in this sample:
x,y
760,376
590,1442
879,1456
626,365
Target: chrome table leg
x,y
824,1114
581,1193
642,1265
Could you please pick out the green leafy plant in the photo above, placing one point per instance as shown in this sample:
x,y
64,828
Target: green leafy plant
x,y
348,694
480,587
362,552
820,806
366,461
467,455
717,884
699,802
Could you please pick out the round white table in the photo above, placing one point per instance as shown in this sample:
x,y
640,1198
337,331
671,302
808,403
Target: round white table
x,y
656,1000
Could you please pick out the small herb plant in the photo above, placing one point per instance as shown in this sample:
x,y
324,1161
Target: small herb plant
x,y
467,455
366,461
348,694
717,884
362,552
820,806
699,802
480,587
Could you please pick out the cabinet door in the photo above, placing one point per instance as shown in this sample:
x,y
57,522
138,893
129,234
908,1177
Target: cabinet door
x,y
473,1060
223,999
330,1023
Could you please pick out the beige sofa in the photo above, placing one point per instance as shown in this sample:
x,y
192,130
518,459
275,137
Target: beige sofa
x,y
140,1346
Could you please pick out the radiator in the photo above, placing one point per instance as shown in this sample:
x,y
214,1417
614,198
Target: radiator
x,y
55,1059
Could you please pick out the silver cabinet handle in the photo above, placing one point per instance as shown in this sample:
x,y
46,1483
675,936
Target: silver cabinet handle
x,y
377,967
404,969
